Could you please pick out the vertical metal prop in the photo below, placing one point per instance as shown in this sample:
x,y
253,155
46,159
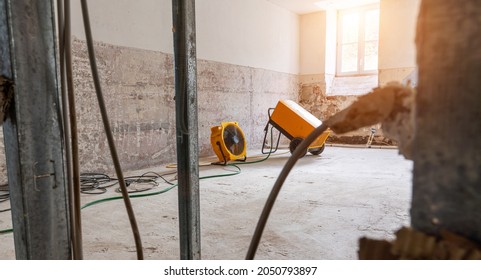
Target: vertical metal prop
x,y
187,127
32,131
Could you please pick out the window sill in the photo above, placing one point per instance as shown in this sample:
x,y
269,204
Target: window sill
x,y
352,85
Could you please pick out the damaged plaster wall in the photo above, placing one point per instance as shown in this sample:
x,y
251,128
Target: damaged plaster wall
x,y
139,89
139,92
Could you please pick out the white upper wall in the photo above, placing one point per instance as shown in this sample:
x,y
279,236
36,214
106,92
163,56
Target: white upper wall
x,y
331,41
397,32
313,40
143,24
397,48
254,33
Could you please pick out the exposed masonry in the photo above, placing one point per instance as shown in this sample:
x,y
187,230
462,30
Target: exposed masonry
x,y
139,92
139,88
312,96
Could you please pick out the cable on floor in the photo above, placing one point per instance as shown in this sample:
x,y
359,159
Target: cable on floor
x,y
95,183
4,193
5,231
98,181
4,196
263,158
236,171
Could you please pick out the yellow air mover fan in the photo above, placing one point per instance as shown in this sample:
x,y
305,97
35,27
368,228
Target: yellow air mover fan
x,y
228,142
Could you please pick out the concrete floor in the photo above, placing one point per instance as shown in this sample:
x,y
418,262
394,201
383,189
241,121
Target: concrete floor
x,y
327,203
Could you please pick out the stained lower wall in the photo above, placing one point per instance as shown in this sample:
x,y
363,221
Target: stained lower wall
x,y
138,88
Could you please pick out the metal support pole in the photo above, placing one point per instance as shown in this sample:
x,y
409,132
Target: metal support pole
x,y
187,127
32,131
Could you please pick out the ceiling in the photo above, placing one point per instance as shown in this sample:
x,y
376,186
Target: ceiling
x,y
310,6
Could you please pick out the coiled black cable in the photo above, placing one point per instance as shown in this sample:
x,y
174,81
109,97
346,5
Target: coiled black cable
x,y
98,183
95,183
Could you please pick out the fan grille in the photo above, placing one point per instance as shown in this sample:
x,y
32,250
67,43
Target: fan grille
x,y
233,139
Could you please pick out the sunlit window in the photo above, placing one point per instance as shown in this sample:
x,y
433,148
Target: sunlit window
x,y
358,41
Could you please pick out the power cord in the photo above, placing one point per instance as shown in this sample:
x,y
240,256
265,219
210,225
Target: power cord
x,y
4,196
98,183
108,131
298,152
231,173
95,183
92,181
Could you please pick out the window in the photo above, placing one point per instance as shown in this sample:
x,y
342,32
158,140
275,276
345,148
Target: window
x,y
358,36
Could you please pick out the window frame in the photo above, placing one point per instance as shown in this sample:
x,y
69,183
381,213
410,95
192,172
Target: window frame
x,y
361,41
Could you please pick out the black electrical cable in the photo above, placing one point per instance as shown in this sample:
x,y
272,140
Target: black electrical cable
x,y
156,175
70,130
4,197
147,182
138,187
95,183
277,187
108,131
172,185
